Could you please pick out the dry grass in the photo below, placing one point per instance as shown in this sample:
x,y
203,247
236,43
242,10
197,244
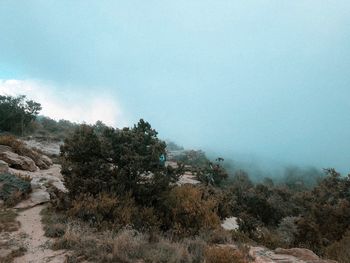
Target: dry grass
x,y
54,223
126,246
8,221
129,245
224,254
20,251
340,250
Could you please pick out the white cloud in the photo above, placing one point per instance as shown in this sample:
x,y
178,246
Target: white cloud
x,y
70,106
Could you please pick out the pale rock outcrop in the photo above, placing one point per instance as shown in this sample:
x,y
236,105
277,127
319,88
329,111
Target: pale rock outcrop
x,y
37,197
4,148
30,160
303,254
18,162
46,147
230,223
280,255
46,160
43,162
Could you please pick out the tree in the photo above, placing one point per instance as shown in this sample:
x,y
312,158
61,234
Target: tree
x,y
16,113
117,161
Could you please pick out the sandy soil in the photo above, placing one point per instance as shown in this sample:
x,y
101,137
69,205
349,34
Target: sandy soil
x,y
35,241
31,229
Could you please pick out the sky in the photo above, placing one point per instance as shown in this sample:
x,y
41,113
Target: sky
x,y
264,80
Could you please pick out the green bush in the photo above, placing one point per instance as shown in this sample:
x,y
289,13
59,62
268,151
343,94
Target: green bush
x,y
117,161
13,188
17,113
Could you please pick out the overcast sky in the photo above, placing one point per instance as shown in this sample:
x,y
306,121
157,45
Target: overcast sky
x,y
268,79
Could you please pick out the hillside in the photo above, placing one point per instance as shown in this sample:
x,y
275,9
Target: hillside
x,y
94,193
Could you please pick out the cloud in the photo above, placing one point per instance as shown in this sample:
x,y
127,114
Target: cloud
x,y
70,106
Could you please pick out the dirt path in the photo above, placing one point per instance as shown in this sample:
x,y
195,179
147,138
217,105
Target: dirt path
x,y
31,232
35,241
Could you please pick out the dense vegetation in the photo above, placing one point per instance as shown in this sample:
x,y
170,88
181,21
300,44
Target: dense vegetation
x,y
20,116
115,180
17,113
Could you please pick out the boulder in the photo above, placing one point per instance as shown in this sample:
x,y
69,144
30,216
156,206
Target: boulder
x,y
43,162
4,167
46,160
4,148
280,255
303,254
18,162
300,253
37,197
230,223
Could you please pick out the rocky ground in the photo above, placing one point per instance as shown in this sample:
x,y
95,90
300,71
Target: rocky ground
x,y
29,239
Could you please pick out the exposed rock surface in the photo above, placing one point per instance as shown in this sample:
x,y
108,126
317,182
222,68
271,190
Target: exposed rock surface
x,y
37,197
27,159
4,148
45,159
230,223
19,162
47,147
41,178
187,178
293,255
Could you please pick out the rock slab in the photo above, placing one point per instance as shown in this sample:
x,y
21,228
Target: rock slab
x,y
18,162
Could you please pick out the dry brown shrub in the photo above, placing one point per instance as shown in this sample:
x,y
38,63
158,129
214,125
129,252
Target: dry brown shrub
x,y
217,236
269,238
85,243
166,251
8,221
70,239
127,245
224,254
104,209
340,250
190,211
11,141
196,247
146,220
240,237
